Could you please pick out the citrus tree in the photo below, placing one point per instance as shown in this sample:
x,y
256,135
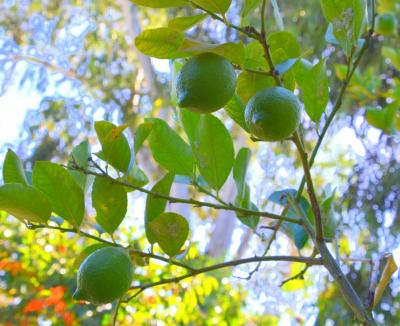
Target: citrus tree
x,y
275,93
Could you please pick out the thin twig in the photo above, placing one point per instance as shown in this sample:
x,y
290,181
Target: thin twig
x,y
98,239
245,31
115,317
243,211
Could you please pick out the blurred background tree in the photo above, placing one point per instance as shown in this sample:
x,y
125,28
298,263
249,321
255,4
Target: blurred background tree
x,y
75,62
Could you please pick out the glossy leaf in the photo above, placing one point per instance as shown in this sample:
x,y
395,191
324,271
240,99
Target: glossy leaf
x,y
213,149
154,205
25,203
285,41
235,109
80,156
248,8
190,122
244,201
216,6
240,170
315,91
254,57
328,218
171,230
136,177
184,23
294,231
384,119
169,149
115,146
161,43
110,202
234,52
64,193
248,84
346,17
141,134
13,171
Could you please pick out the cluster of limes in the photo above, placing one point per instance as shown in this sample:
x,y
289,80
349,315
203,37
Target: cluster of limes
x,y
207,82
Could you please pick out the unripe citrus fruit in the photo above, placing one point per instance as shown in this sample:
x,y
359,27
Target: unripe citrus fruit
x,y
386,24
273,114
205,83
105,275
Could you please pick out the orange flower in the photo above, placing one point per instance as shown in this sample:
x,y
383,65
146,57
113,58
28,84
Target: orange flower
x,y
68,318
33,306
60,307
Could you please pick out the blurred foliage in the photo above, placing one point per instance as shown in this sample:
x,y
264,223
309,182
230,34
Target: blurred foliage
x,y
79,56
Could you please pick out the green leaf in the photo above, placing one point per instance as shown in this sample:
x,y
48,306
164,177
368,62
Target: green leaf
x,y
280,59
248,84
254,56
248,8
115,146
160,3
384,119
347,17
285,41
302,68
169,149
328,218
64,193
25,203
216,6
190,122
141,134
135,177
171,230
240,169
294,231
184,23
213,150
161,43
80,156
110,202
315,91
235,109
245,202
13,171
234,52
86,252
154,205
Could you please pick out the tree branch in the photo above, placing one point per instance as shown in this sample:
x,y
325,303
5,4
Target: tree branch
x,y
98,239
245,31
233,263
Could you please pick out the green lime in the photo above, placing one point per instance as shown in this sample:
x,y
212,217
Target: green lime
x,y
105,275
273,114
205,83
386,24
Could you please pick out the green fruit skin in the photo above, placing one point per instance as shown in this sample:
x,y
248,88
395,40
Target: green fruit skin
x,y
104,276
386,24
273,114
205,83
